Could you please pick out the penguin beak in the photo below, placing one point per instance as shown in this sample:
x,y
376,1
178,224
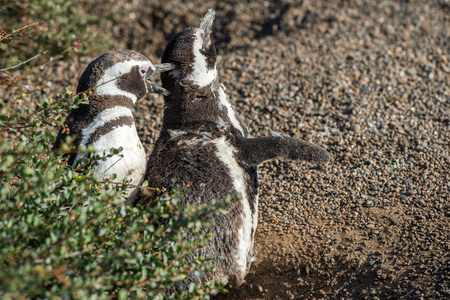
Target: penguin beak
x,y
154,88
159,68
206,24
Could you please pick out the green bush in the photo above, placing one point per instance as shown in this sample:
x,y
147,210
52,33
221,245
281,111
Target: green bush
x,y
54,24
62,236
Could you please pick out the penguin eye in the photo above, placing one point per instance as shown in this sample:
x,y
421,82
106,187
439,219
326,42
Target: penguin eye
x,y
144,71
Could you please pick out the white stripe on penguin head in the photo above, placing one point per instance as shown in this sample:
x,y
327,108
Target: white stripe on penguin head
x,y
107,85
201,75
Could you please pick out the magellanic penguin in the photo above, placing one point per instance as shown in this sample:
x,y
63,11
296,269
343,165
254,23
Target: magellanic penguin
x,y
117,81
205,147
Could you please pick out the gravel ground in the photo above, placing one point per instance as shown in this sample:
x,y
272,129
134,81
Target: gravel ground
x,y
367,80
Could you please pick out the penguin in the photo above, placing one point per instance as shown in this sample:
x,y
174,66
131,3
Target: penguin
x,y
117,81
205,148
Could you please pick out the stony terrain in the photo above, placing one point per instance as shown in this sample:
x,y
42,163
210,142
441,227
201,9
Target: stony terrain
x,y
367,80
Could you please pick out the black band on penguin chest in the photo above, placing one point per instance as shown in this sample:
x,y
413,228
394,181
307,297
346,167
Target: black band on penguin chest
x,y
110,126
81,117
85,114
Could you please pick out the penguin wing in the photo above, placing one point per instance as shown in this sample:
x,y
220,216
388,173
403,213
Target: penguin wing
x,y
73,126
254,151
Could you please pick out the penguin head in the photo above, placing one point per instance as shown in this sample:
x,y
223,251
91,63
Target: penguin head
x,y
193,51
121,73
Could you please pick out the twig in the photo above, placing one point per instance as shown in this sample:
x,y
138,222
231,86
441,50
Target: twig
x,y
24,62
40,66
69,255
34,69
121,157
129,184
20,29
407,294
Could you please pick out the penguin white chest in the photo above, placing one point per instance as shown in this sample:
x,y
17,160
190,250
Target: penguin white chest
x,y
129,164
226,153
223,102
115,128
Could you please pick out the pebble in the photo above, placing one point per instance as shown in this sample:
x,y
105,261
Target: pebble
x,y
271,192
356,127
411,192
369,203
371,226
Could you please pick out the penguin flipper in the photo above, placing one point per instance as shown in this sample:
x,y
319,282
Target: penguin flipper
x,y
254,151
